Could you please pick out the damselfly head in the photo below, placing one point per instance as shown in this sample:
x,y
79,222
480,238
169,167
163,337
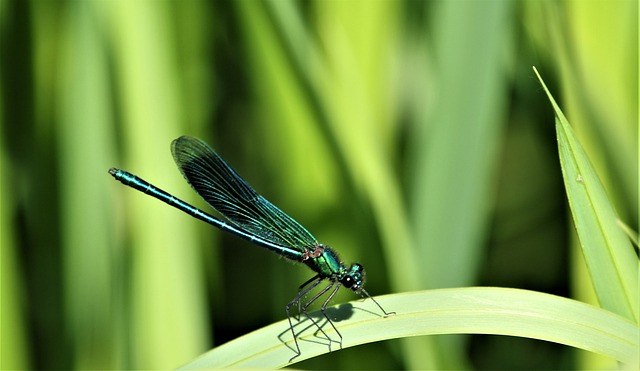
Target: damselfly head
x,y
354,279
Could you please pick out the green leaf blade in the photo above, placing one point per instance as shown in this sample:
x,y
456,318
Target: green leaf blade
x,y
608,253
474,310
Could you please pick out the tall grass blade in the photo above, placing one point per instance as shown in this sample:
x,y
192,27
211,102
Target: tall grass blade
x,y
608,253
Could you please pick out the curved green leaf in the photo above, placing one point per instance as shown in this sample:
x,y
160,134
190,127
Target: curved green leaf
x,y
609,255
475,310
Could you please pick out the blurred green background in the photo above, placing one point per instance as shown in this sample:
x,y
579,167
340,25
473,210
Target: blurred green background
x,y
412,136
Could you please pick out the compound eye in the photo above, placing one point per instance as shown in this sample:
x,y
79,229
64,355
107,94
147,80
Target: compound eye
x,y
348,281
351,282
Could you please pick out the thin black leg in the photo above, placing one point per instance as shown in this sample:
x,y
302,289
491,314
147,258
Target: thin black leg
x,y
324,305
374,300
305,292
302,291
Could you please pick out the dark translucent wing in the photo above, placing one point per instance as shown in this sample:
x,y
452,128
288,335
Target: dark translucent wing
x,y
220,186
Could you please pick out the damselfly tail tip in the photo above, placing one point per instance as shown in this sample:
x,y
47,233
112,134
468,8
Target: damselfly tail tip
x,y
113,171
